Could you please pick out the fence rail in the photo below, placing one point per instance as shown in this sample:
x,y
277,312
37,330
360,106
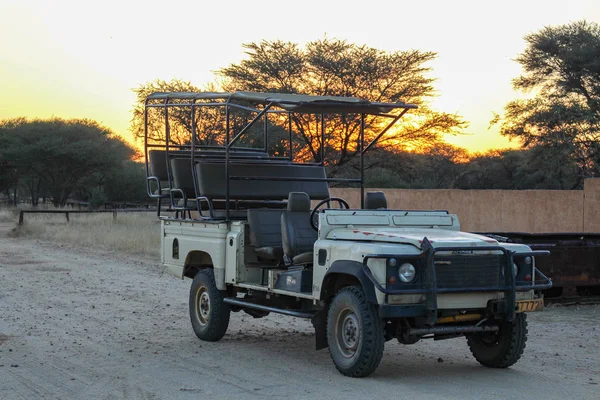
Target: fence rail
x,y
67,212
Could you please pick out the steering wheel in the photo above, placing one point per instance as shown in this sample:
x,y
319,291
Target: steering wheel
x,y
341,202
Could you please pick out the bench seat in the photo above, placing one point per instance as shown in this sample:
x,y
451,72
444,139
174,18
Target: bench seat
x,y
212,183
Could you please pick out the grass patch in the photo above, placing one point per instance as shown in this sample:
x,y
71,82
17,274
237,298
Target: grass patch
x,y
133,233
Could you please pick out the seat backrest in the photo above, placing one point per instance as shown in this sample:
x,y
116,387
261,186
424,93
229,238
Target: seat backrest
x,y
182,176
265,227
375,201
157,164
181,168
297,236
212,183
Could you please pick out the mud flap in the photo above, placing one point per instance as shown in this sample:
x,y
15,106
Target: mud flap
x,y
319,321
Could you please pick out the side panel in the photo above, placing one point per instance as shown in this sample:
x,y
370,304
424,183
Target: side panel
x,y
194,237
235,254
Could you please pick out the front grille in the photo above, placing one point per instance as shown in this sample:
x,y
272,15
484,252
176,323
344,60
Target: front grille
x,y
468,271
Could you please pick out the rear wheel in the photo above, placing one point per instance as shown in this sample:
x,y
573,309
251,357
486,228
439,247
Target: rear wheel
x,y
354,333
208,313
503,348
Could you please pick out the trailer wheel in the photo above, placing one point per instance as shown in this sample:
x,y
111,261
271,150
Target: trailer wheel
x,y
208,313
503,348
355,333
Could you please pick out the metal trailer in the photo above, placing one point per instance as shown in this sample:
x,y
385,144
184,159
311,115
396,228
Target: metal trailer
x,y
573,264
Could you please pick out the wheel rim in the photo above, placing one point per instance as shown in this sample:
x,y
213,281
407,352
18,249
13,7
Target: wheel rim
x,y
348,333
489,339
202,306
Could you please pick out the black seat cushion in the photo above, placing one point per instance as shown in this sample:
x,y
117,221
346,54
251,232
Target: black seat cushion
x,y
375,200
297,236
265,233
303,258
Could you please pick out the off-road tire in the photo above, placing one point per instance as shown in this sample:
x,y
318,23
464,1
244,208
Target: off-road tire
x,y
502,349
209,322
348,310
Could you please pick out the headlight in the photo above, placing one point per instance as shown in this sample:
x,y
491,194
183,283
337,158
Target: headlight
x,y
407,272
515,269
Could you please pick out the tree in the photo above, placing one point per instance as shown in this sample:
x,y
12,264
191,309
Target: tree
x,y
124,182
324,67
8,179
338,68
433,167
58,154
518,169
561,67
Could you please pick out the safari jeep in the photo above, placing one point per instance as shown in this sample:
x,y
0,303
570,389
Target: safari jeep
x,y
257,231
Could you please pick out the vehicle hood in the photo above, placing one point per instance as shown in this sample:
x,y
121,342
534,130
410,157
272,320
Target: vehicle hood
x,y
412,236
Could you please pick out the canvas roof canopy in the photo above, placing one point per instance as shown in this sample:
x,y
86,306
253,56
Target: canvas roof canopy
x,y
289,102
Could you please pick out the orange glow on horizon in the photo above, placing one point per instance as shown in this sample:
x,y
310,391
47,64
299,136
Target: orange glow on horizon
x,y
73,59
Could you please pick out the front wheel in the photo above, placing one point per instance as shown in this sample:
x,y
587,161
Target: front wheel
x,y
355,333
503,348
208,313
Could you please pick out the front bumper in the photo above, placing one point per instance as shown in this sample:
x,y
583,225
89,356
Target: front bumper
x,y
428,285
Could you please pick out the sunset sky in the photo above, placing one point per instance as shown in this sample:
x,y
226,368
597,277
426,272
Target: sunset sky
x,y
81,58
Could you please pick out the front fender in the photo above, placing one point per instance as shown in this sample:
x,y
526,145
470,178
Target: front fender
x,y
346,271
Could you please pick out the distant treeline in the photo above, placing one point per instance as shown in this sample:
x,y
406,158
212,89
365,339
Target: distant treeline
x,y
58,160
449,167
64,160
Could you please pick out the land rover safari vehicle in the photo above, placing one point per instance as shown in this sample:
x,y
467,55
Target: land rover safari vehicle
x,y
258,231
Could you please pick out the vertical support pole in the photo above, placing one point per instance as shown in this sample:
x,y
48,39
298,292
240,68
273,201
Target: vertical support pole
x,y
323,140
265,132
114,213
67,215
362,161
148,186
227,161
21,216
193,159
167,140
290,133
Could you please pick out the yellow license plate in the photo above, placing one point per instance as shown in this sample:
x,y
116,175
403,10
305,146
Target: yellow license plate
x,y
530,305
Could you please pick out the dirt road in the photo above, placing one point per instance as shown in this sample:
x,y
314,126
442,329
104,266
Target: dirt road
x,y
83,324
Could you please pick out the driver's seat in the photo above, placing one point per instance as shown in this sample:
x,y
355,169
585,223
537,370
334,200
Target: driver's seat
x,y
297,236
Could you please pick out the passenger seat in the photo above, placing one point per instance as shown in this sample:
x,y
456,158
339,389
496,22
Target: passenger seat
x,y
265,233
297,236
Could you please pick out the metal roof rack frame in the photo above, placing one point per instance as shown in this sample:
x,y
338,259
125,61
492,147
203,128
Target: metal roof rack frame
x,y
266,103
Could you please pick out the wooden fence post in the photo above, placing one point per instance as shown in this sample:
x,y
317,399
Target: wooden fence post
x,y
21,217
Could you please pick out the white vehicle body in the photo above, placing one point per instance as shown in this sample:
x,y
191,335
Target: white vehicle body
x,y
344,235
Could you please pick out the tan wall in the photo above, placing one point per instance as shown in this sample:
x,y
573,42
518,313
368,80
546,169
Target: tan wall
x,y
502,210
591,207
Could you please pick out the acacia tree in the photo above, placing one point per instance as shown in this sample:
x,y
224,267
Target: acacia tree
x,y
561,67
58,154
338,68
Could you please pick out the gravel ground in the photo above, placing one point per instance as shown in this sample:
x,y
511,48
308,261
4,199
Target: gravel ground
x,y
86,324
